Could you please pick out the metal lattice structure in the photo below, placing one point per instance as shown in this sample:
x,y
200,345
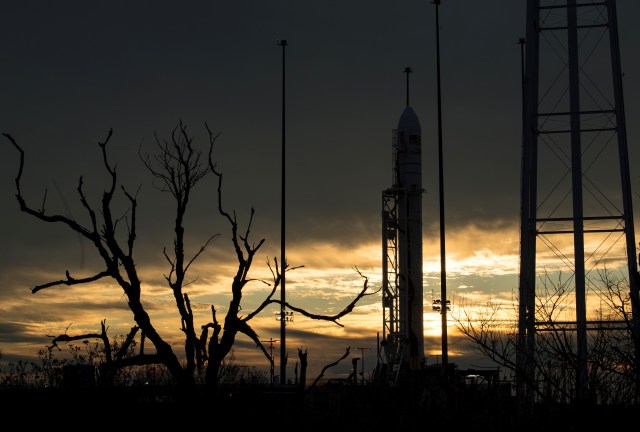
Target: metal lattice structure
x,y
394,334
577,215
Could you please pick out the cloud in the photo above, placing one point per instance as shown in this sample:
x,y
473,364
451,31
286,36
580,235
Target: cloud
x,y
11,332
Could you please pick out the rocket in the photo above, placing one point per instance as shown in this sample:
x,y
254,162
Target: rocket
x,y
409,198
402,347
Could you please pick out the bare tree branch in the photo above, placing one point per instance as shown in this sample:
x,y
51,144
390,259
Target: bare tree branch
x,y
71,281
330,365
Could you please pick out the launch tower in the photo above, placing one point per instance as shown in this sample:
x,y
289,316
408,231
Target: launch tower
x,y
402,293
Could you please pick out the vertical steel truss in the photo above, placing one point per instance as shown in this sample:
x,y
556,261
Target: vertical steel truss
x,y
575,218
394,334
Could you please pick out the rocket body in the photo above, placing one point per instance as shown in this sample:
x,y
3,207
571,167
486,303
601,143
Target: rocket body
x,y
409,186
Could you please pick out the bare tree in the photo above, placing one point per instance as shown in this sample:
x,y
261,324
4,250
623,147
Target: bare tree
x,y
611,360
222,340
107,368
177,168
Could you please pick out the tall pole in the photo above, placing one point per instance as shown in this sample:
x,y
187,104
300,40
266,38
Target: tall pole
x,y
521,353
283,263
525,371
443,263
578,205
271,341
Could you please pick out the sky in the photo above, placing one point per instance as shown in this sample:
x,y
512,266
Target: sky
x,y
73,70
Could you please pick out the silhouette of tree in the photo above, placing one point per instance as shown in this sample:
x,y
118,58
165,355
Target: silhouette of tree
x,y
107,368
612,342
177,168
330,365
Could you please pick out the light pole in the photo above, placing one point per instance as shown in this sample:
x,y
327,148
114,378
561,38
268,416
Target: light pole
x,y
283,265
443,265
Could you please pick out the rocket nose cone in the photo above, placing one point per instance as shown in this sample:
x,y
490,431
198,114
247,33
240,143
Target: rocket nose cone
x,y
409,122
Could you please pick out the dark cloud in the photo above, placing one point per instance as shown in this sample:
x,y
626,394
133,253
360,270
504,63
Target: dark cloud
x,y
13,332
74,71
